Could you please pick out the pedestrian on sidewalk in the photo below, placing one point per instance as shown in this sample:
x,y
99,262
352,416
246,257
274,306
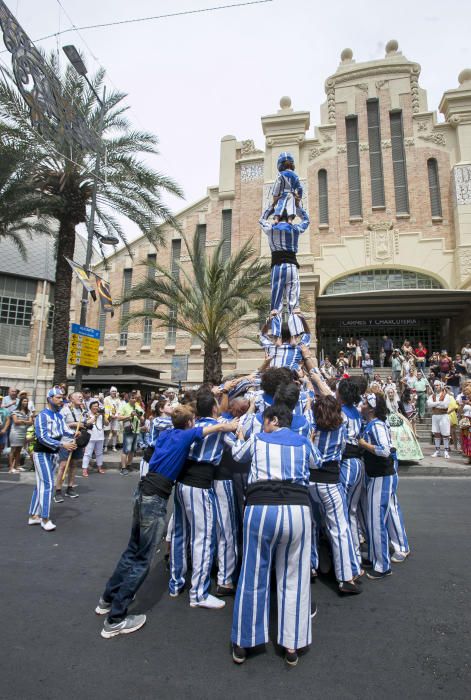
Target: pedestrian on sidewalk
x,y
368,367
132,417
97,421
421,386
111,405
439,402
74,414
396,366
21,419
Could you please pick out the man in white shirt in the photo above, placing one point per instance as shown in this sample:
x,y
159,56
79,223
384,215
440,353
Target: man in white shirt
x,y
438,402
112,404
10,401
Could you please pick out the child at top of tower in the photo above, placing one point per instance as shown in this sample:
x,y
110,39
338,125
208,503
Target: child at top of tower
x,y
287,190
283,240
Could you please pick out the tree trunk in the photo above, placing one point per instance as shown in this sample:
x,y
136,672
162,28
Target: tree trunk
x,y
62,294
212,368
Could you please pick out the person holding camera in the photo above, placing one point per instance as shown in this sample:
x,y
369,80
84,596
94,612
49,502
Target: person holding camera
x,y
74,415
97,419
132,416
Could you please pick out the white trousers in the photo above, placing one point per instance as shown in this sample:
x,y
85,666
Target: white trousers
x,y
441,424
282,534
194,517
285,281
226,530
379,492
93,446
331,506
352,478
44,465
396,528
143,467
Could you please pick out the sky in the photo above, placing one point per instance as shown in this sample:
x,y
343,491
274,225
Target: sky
x,y
193,79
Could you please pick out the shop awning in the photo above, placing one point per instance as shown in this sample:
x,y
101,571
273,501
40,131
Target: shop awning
x,y
395,303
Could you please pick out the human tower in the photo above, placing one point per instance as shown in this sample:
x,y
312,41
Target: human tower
x,y
278,460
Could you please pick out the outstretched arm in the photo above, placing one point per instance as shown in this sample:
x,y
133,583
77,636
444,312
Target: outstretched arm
x,y
263,221
302,213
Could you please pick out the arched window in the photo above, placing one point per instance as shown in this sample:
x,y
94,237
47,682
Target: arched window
x,y
323,198
353,162
434,188
377,280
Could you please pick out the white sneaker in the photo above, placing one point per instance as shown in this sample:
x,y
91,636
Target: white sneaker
x,y
210,602
446,455
34,521
49,526
436,453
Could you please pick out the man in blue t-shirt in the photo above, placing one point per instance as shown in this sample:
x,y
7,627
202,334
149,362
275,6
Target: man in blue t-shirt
x,y
148,522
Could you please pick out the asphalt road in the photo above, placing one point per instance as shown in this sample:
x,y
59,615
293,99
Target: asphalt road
x,y
405,637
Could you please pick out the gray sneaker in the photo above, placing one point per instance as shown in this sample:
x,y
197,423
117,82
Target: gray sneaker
x,y
131,623
103,607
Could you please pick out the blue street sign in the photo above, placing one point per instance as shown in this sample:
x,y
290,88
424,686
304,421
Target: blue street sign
x,y
85,330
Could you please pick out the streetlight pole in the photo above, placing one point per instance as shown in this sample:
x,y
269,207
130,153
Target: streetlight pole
x,y
75,59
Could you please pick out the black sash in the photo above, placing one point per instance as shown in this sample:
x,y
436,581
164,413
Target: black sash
x,y
198,474
351,451
153,484
379,466
274,493
283,256
329,474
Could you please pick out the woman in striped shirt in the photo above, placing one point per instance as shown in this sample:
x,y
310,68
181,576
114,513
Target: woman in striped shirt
x,y
351,467
380,458
326,492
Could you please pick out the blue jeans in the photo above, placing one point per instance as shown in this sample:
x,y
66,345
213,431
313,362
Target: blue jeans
x,y
148,523
130,442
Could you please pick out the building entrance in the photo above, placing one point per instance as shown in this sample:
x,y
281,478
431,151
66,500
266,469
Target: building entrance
x,y
333,335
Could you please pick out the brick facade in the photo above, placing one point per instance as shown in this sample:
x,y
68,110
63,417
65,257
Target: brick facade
x,y
414,241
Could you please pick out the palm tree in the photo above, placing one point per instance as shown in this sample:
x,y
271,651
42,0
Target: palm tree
x,y
209,300
19,199
127,188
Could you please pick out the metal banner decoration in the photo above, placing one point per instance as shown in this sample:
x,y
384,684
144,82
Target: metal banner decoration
x,y
51,112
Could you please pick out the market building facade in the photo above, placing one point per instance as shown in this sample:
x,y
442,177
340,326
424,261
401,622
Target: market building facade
x,y
388,190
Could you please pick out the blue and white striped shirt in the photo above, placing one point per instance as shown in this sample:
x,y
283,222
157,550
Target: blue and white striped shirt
x,y
353,423
378,434
265,400
287,182
331,444
301,424
50,427
278,456
159,424
284,355
284,236
211,447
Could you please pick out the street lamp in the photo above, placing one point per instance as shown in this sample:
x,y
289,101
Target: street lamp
x,y
77,62
106,238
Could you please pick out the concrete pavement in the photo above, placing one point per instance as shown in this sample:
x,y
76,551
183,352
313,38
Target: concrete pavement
x,y
405,637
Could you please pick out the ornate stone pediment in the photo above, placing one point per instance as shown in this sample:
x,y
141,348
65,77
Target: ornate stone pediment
x,y
381,241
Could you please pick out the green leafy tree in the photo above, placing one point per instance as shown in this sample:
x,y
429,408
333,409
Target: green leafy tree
x,y
128,188
20,200
210,299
